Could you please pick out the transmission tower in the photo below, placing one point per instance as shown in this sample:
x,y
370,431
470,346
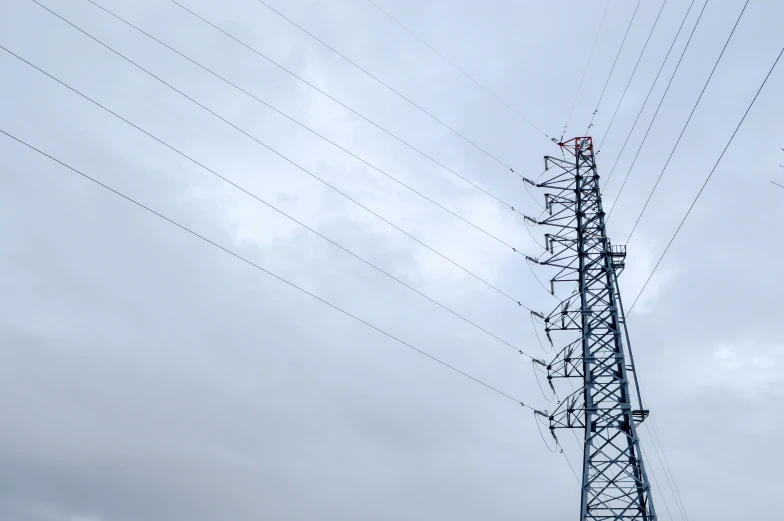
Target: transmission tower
x,y
591,325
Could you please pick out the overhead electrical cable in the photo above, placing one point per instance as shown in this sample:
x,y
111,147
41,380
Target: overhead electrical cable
x,y
634,71
267,204
571,467
669,469
656,483
290,161
458,68
645,102
666,475
585,70
381,82
290,118
685,126
609,76
346,107
775,183
702,188
260,268
656,113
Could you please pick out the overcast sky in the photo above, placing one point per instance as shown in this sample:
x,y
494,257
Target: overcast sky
x,y
146,375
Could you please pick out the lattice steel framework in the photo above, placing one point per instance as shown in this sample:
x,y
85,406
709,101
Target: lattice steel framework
x,y
591,319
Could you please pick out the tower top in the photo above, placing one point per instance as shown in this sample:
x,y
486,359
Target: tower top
x,y
583,145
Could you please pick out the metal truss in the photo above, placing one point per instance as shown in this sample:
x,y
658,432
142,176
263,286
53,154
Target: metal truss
x,y
592,323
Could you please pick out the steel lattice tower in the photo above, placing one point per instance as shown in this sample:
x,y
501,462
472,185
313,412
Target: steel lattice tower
x,y
591,320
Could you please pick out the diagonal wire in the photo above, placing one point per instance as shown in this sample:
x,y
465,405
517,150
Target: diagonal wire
x,y
775,183
685,126
260,268
656,482
634,71
609,76
666,475
661,102
302,125
645,103
708,178
376,78
303,169
585,70
359,115
669,469
457,67
303,80
571,467
269,205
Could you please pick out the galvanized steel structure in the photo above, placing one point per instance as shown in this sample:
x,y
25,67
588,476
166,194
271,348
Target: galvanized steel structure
x,y
590,325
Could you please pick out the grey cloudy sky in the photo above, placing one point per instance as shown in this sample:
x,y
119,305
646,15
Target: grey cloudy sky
x,y
146,375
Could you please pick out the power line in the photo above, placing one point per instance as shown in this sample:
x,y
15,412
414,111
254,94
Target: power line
x,y
582,78
655,114
666,476
571,467
356,113
457,67
613,67
656,482
708,178
650,91
377,169
258,267
775,183
391,89
685,126
412,147
650,469
669,469
634,71
269,205
290,161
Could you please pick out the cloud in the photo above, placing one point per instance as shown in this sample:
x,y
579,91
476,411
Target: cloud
x,y
751,369
148,375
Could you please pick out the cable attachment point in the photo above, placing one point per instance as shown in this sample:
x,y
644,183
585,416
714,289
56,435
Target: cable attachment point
x,y
532,183
532,259
530,219
538,314
540,362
